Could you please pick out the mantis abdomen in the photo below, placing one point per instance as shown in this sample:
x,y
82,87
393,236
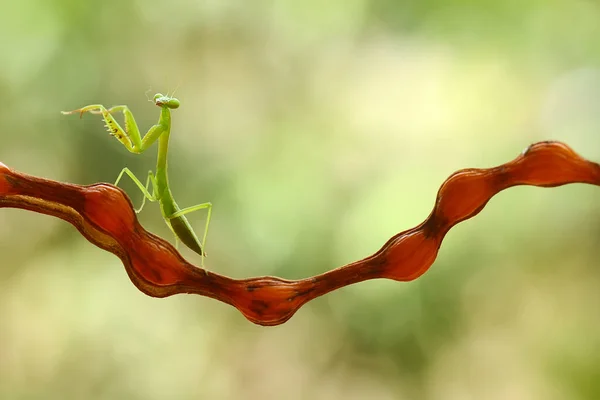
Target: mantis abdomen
x,y
184,232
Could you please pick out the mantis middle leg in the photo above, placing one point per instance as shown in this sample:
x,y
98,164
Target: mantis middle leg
x,y
143,188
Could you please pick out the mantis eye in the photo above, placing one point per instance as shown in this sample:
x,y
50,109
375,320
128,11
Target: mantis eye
x,y
173,103
157,95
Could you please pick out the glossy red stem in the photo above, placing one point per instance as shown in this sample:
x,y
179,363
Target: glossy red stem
x,y
104,215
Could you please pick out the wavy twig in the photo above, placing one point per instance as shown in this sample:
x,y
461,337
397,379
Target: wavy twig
x,y
104,215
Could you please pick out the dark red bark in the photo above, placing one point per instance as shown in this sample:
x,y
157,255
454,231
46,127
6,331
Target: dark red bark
x,y
104,215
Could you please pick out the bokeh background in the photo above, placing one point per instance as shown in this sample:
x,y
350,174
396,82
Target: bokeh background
x,y
318,129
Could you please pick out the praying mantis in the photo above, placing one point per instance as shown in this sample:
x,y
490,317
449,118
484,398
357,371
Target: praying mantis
x,y
173,215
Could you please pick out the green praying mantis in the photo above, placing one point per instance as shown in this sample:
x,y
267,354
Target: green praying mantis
x,y
161,192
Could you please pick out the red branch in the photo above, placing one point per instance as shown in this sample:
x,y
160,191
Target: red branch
x,y
104,215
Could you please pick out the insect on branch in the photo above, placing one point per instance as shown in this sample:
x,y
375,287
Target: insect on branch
x,y
105,216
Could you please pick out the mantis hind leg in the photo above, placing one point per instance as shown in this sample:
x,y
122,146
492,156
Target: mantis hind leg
x,y
187,210
143,188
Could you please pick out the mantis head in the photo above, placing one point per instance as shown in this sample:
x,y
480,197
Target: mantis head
x,y
166,101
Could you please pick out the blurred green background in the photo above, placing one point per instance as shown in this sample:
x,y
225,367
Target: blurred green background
x,y
318,130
